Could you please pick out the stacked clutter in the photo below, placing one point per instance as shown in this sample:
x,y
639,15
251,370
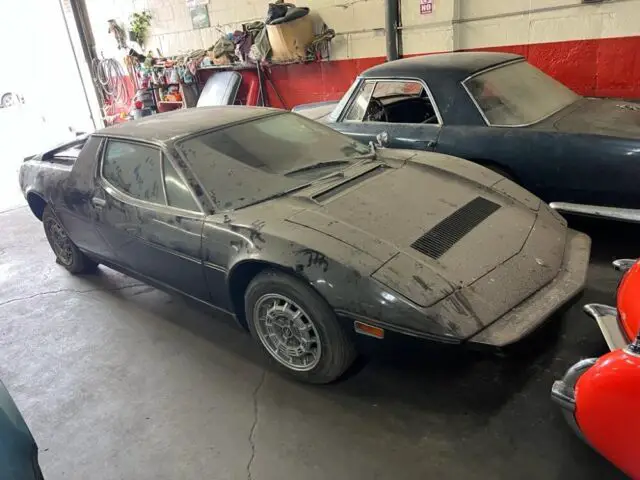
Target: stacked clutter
x,y
288,34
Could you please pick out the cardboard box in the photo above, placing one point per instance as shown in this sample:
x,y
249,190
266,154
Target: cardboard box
x,y
289,40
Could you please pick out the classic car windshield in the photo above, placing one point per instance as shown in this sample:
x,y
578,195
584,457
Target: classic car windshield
x,y
246,163
518,94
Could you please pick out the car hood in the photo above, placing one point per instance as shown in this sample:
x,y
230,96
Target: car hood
x,y
597,116
316,111
436,224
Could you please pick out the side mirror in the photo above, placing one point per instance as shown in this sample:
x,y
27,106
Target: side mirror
x,y
382,139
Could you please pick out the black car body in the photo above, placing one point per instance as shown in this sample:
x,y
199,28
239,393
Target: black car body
x,y
18,449
204,201
495,109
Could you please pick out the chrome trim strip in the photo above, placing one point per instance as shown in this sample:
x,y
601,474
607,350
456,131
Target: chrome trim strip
x,y
214,266
404,80
624,264
475,102
614,213
162,178
607,319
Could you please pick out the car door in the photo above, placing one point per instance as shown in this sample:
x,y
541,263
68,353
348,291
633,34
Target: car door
x,y
398,113
149,216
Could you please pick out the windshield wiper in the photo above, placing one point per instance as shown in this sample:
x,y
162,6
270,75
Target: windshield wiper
x,y
316,166
276,195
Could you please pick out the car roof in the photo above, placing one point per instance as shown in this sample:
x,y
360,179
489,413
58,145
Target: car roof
x,y
171,126
454,66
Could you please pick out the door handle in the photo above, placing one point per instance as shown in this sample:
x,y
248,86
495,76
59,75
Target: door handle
x,y
98,202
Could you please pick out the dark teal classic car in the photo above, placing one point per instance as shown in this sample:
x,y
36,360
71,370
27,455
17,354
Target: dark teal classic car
x,y
582,155
18,449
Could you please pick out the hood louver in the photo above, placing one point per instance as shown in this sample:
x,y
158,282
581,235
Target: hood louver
x,y
449,231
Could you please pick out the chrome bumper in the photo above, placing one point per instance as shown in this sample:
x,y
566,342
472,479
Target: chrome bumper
x,y
563,391
612,213
607,319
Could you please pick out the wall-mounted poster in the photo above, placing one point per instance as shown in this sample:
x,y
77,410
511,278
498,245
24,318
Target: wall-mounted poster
x,y
199,16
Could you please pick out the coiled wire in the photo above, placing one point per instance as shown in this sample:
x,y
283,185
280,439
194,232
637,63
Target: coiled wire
x,y
111,78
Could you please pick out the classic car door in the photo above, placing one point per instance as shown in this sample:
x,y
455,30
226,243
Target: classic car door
x,y
401,111
149,216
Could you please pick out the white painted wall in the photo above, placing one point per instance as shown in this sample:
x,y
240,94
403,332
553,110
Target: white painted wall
x,y
359,24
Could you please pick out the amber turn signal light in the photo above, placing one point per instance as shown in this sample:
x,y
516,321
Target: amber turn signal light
x,y
368,330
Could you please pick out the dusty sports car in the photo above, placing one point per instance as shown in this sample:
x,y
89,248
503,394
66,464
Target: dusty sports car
x,y
495,109
306,236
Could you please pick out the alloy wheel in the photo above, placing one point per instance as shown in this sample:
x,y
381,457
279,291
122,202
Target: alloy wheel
x,y
287,332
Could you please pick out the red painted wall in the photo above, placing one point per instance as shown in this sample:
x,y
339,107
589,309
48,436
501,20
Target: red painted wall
x,y
607,67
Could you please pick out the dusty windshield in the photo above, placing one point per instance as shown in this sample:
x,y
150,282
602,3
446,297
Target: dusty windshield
x,y
518,94
245,163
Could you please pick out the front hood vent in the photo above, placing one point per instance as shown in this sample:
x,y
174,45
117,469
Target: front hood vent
x,y
449,231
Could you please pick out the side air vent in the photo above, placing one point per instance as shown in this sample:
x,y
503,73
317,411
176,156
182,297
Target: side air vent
x,y
331,192
449,231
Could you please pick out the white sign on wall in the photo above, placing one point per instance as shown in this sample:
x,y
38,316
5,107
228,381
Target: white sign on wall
x,y
426,6
195,3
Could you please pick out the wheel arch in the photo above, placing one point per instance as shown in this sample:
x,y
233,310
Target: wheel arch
x,y
242,273
37,204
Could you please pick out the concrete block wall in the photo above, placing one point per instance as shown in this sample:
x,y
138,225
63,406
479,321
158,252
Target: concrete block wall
x,y
594,49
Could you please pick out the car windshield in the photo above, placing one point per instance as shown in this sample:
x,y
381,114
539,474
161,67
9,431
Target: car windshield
x,y
249,162
518,94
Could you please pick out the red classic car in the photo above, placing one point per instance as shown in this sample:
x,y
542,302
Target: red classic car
x,y
599,395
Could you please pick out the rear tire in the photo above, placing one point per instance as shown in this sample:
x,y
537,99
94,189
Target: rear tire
x,y
67,253
296,328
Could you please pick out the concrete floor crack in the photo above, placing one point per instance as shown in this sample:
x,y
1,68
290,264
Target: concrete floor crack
x,y
69,290
12,209
255,424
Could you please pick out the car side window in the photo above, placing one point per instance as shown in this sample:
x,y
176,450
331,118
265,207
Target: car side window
x,y
134,169
394,101
358,107
178,192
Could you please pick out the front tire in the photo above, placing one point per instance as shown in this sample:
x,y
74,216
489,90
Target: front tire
x,y
296,328
67,254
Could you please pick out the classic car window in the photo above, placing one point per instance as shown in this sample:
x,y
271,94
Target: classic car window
x,y
134,169
178,193
246,163
393,101
359,105
518,94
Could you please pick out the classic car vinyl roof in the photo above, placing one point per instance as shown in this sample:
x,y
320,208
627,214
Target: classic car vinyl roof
x,y
171,126
441,66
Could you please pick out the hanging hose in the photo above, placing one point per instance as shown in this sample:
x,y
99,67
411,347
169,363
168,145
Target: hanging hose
x,y
110,76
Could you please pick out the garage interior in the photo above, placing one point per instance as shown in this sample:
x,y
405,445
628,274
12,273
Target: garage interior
x,y
117,379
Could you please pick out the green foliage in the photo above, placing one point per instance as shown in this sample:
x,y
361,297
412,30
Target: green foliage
x,y
139,26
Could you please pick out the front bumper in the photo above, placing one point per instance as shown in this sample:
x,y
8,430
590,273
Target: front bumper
x,y
532,312
563,391
607,319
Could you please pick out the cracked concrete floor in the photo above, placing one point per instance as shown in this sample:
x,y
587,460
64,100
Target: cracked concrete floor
x,y
119,380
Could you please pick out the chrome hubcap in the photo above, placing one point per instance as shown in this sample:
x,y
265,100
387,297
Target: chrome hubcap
x,y
287,332
60,242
